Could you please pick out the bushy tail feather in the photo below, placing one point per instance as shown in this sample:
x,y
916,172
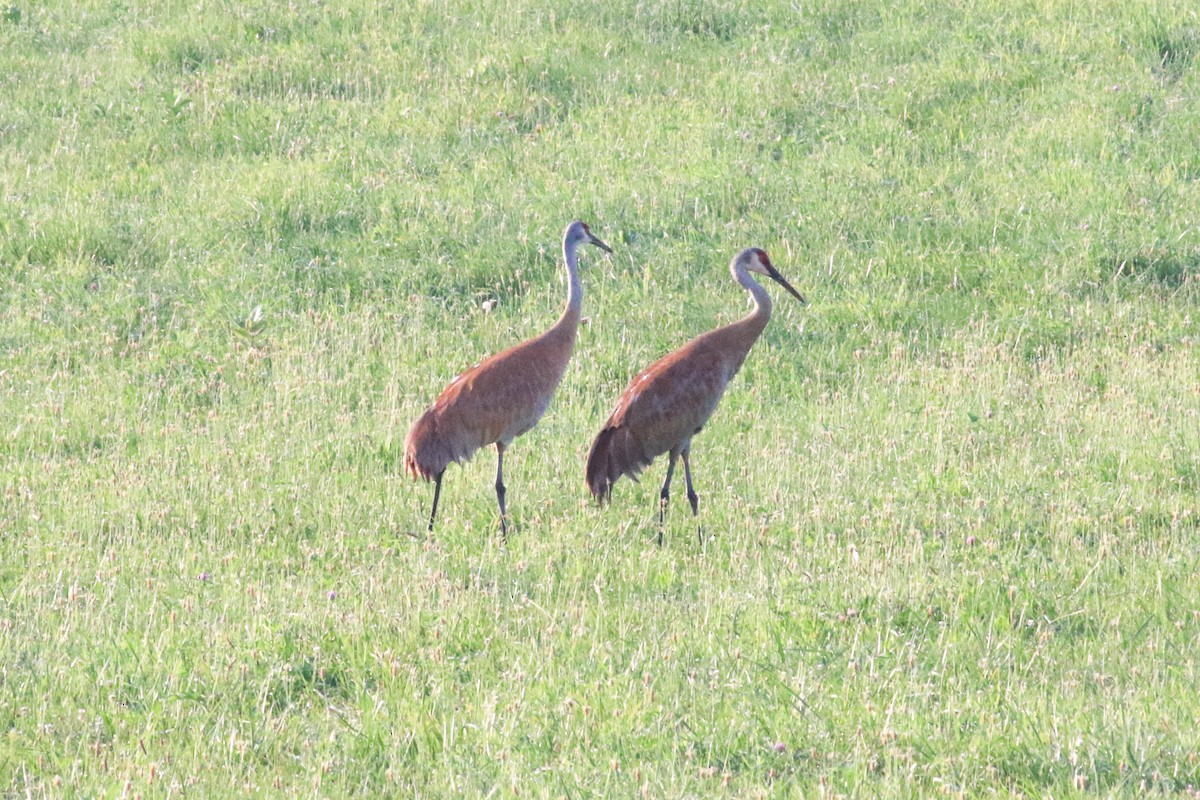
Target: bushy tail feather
x,y
599,484
414,468
425,455
614,453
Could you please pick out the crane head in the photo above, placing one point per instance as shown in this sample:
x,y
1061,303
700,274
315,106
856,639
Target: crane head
x,y
578,233
756,260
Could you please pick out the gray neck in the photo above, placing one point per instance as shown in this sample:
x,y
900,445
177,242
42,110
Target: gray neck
x,y
574,285
568,323
760,296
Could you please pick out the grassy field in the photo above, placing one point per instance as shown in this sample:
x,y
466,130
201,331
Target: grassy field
x,y
952,534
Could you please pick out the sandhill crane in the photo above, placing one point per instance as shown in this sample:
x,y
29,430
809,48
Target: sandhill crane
x,y
667,403
501,397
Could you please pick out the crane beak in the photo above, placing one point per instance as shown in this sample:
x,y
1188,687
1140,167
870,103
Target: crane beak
x,y
599,243
775,276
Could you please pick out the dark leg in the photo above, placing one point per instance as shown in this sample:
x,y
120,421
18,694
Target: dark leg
x,y
437,492
665,495
693,498
500,489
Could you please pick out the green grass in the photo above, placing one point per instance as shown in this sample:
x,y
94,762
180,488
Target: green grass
x,y
952,534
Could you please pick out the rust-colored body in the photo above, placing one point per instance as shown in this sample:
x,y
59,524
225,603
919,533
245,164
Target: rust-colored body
x,y
667,403
501,397
493,402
